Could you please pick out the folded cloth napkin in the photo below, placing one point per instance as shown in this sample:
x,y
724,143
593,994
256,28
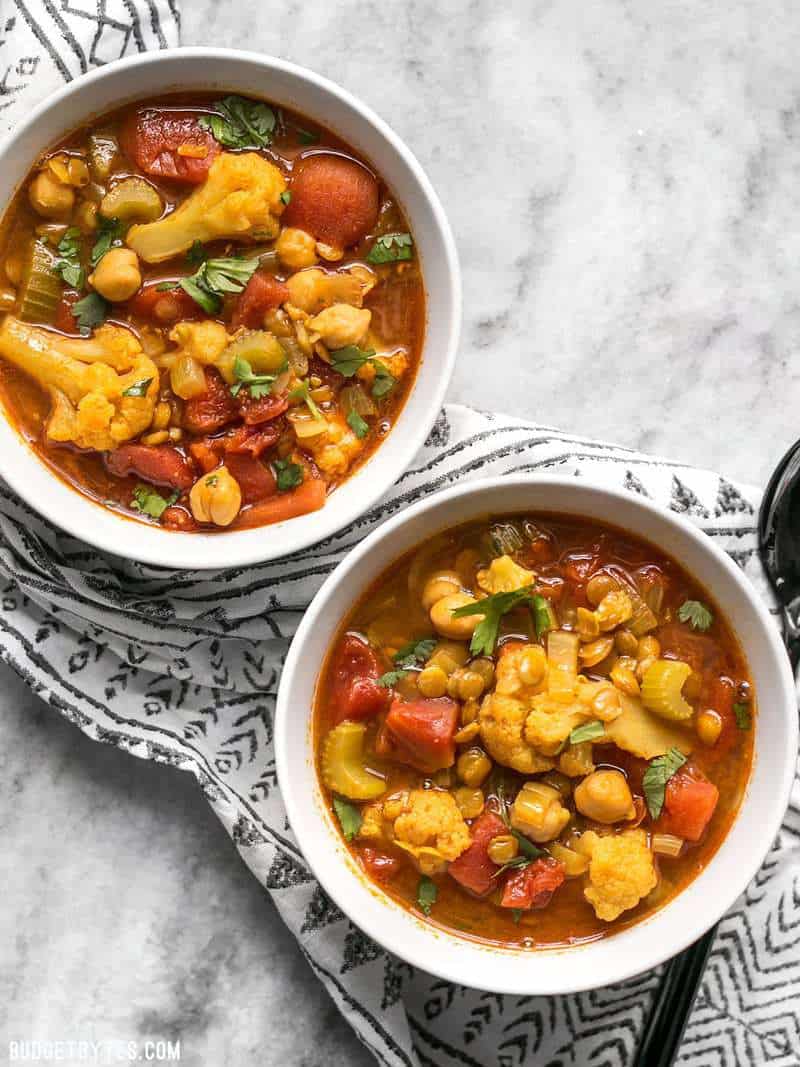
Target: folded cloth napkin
x,y
183,668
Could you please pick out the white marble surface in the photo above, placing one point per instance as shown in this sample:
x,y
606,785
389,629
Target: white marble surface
x,y
624,183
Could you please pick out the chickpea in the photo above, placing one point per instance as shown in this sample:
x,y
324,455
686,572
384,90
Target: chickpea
x,y
86,216
296,248
470,685
216,497
432,681
708,726
470,801
485,668
648,648
588,626
606,704
438,585
626,643
502,849
469,711
117,276
449,655
599,586
467,733
473,766
613,610
49,197
330,253
532,665
625,679
341,325
604,796
161,416
442,616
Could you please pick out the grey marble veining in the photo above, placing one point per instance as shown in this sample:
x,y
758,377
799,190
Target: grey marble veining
x,y
624,181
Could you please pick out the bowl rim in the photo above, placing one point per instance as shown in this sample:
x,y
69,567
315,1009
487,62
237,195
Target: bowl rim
x,y
433,958
238,548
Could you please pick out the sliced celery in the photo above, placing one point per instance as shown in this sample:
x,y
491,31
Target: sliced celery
x,y
40,290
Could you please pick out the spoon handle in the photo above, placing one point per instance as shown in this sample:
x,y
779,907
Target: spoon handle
x,y
673,1003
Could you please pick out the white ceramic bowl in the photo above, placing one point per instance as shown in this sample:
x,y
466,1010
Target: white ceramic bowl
x,y
630,951
147,76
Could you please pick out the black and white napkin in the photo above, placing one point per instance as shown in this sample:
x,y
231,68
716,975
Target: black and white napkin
x,y
183,668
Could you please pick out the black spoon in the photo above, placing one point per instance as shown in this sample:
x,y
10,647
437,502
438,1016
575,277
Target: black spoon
x,y
779,548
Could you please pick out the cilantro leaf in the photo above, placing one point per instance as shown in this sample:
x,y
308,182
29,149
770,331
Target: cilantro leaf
x,y
286,197
307,136
89,312
384,381
288,475
150,502
391,248
427,892
138,388
166,287
196,254
240,123
588,731
415,652
696,614
217,276
350,359
303,393
209,302
516,915
493,608
349,817
391,678
525,846
109,233
544,618
69,265
744,720
655,778
517,864
358,425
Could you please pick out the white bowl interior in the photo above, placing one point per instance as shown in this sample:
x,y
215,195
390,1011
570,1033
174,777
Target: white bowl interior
x,y
630,951
285,84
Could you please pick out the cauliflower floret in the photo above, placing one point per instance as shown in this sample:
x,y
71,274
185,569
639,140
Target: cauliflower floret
x,y
335,448
313,289
621,871
432,828
372,826
395,362
550,722
87,379
341,324
502,721
521,671
204,341
503,575
241,197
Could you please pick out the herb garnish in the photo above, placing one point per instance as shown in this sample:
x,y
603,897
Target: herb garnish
x,y
415,652
240,123
349,817
391,248
302,393
258,384
288,475
493,608
69,265
696,614
655,778
306,136
391,678
89,312
588,731
427,893
215,277
543,615
286,197
149,502
744,720
358,425
109,236
350,359
138,388
197,254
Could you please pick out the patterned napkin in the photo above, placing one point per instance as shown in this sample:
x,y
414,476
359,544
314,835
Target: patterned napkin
x,y
183,668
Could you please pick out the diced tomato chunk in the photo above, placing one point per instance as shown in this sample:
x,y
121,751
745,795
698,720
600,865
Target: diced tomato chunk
x,y
378,865
262,408
255,480
158,464
534,885
333,198
261,293
422,731
252,441
355,693
473,869
169,144
163,307
211,410
308,497
689,802
65,320
178,519
578,566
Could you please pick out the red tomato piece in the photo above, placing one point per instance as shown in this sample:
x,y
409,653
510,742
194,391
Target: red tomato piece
x,y
689,802
156,141
250,441
158,464
178,519
65,320
422,731
204,455
255,480
355,693
211,410
333,198
263,408
473,869
534,885
308,497
261,293
163,306
377,864
578,566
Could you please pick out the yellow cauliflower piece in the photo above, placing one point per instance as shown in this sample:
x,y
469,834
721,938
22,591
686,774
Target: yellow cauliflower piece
x,y
313,289
550,722
502,721
204,341
503,575
432,821
86,379
395,362
335,448
372,826
621,871
241,197
340,325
